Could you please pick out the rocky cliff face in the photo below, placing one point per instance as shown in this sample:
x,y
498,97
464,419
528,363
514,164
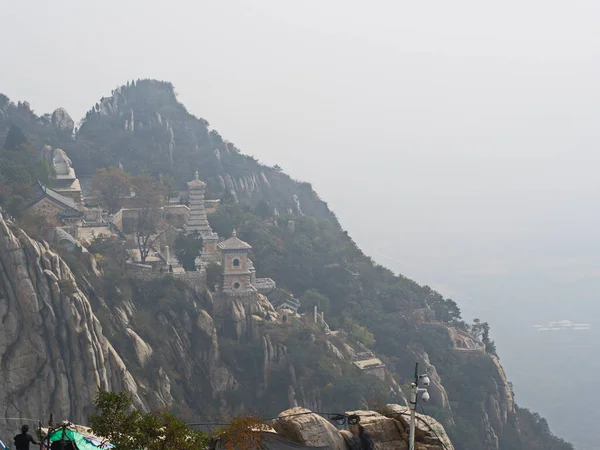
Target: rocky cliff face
x,y
492,409
498,408
53,354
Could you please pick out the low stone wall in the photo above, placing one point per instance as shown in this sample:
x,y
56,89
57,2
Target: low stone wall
x,y
145,272
195,279
140,271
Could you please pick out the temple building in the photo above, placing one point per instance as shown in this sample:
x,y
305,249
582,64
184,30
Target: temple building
x,y
239,274
196,221
56,208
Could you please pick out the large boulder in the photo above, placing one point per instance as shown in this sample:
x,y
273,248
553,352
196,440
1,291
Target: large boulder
x,y
304,427
61,120
429,433
387,433
143,350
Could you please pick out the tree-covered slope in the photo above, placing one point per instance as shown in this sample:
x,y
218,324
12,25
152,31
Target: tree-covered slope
x,y
144,128
298,242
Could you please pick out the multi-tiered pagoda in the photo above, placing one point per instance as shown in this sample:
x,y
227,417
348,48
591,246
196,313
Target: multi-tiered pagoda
x,y
196,221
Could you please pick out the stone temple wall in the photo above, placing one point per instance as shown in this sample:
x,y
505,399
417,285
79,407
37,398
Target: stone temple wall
x,y
196,280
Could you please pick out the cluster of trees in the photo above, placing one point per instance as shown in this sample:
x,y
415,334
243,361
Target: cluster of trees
x,y
445,309
21,166
187,248
130,429
149,222
481,330
536,434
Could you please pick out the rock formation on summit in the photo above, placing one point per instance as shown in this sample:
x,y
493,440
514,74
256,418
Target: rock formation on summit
x,y
61,120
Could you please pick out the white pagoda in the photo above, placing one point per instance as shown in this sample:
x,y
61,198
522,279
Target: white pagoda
x,y
196,221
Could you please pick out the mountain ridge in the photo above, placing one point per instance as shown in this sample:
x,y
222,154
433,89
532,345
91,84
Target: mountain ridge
x,y
144,128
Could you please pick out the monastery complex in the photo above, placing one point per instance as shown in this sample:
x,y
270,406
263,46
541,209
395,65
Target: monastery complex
x,y
74,225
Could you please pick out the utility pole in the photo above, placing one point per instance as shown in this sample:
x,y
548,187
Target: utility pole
x,y
415,391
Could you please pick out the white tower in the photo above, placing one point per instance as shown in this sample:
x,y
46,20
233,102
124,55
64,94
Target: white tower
x,y
196,221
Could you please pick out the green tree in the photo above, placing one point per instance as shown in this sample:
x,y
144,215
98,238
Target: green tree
x,y
264,209
447,311
20,166
148,226
477,328
116,420
15,139
312,298
187,249
129,429
214,275
357,332
481,330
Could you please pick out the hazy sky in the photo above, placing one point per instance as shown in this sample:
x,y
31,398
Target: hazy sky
x,y
460,115
454,139
467,130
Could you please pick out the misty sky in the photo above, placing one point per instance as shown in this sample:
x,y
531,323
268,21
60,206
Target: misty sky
x,y
455,140
465,117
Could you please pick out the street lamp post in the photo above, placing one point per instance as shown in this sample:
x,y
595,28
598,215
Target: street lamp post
x,y
415,391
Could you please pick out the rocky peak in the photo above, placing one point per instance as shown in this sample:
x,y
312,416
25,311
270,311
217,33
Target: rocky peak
x,y
62,121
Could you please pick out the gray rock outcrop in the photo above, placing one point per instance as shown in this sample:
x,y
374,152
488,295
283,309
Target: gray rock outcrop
x,y
52,350
388,431
304,427
61,120
429,433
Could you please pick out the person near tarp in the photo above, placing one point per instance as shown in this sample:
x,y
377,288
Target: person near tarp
x,y
22,440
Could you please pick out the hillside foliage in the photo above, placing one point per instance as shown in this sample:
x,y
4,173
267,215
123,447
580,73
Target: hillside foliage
x,y
21,166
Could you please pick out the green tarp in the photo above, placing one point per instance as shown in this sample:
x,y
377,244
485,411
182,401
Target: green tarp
x,y
81,441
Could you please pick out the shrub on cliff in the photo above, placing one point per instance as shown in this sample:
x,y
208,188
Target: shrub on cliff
x,y
130,429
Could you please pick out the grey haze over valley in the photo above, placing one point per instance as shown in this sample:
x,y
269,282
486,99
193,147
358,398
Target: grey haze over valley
x,y
457,142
